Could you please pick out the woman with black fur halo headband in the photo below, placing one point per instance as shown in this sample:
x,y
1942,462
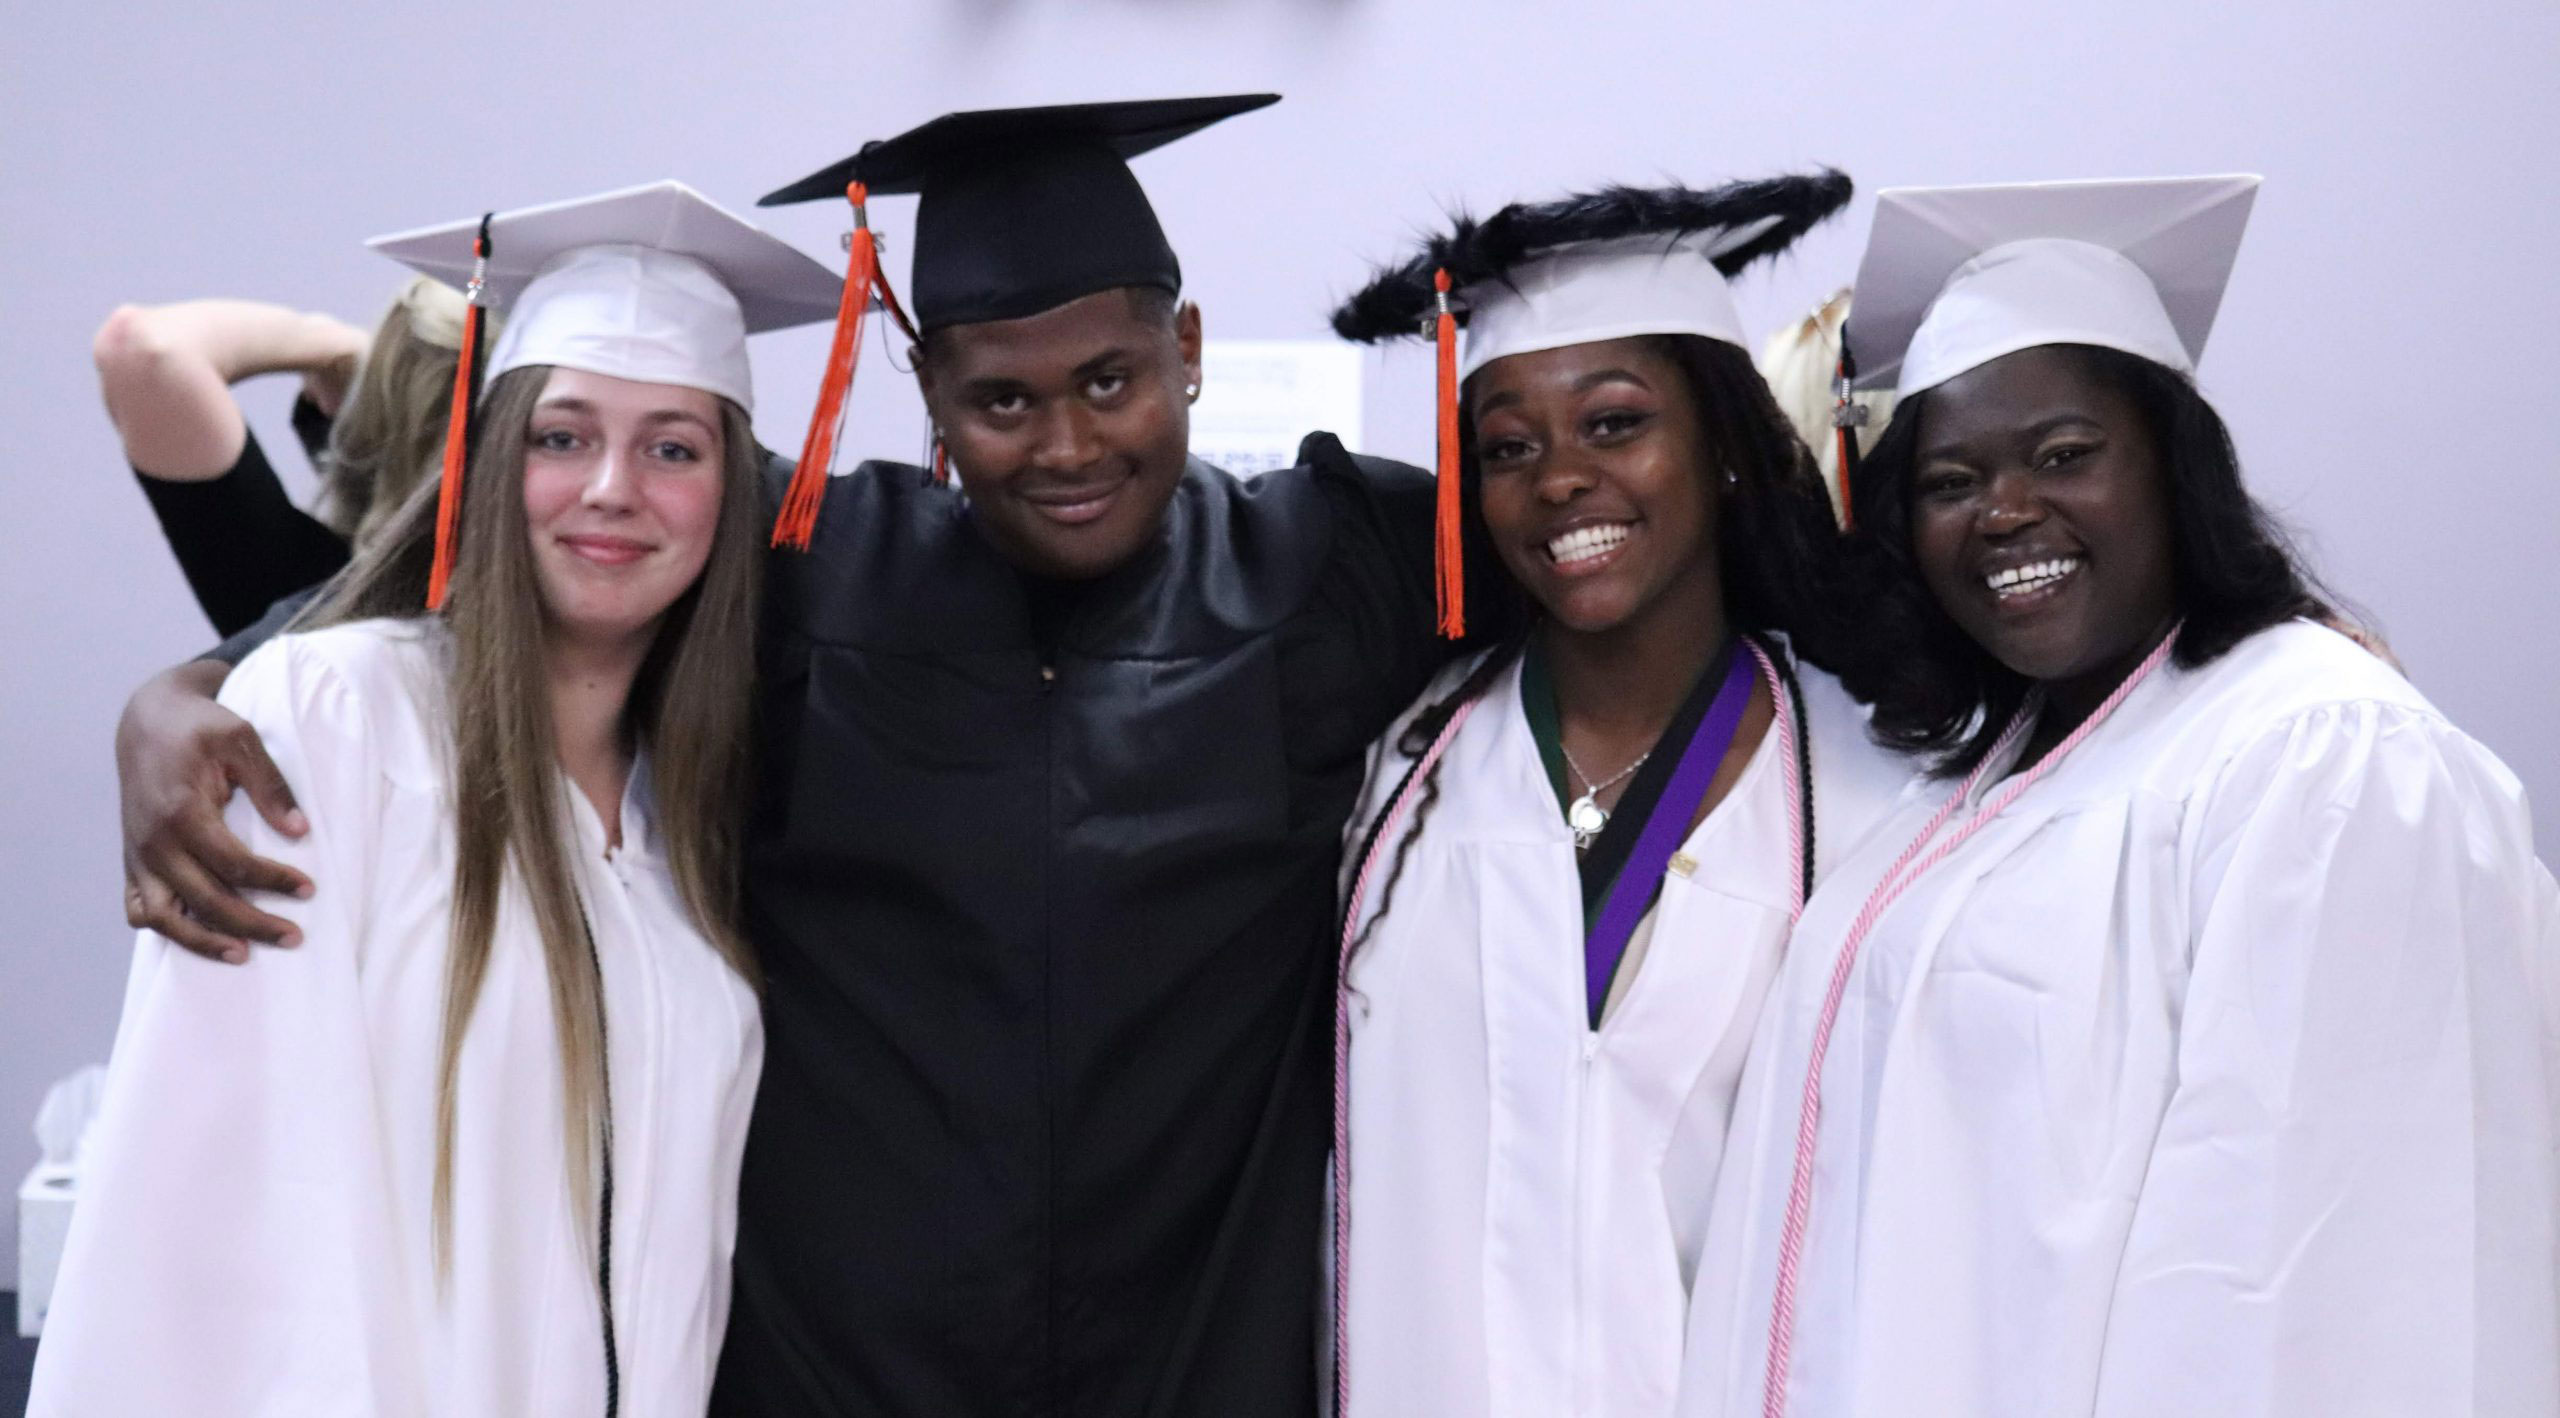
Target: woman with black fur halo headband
x,y
1578,857
2188,1046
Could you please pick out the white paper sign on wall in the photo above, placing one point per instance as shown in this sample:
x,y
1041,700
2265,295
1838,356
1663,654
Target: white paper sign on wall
x,y
1259,397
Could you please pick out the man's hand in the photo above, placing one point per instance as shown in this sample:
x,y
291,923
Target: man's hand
x,y
178,757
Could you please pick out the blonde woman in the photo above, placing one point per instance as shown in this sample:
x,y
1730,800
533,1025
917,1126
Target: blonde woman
x,y
371,415
473,1148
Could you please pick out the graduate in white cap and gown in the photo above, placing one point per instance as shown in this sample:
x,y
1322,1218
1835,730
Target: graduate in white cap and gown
x,y
472,1148
2184,1044
1577,858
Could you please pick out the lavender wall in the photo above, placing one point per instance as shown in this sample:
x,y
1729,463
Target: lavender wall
x,y
2378,357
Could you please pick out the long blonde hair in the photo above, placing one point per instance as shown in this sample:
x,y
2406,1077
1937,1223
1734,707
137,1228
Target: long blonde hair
x,y
1800,362
690,710
389,434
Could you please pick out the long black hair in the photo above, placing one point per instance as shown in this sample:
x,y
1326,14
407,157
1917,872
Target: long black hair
x,y
1778,548
1935,692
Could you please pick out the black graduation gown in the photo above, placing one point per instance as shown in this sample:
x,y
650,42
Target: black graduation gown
x,y
1043,883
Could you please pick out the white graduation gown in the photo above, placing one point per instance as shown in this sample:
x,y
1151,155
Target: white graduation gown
x,y
2214,1076
253,1229
1528,1195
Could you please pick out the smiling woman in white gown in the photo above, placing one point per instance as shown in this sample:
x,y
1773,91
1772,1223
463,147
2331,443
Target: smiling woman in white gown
x,y
472,1147
1562,928
2186,1047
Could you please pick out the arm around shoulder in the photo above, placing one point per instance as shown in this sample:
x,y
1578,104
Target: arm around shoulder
x,y
179,756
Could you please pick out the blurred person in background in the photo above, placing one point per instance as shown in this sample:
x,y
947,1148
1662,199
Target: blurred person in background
x,y
370,415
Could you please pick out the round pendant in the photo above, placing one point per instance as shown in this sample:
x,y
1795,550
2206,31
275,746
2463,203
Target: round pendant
x,y
1586,816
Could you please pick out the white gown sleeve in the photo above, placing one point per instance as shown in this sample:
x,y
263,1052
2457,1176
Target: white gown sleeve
x,y
2350,1204
232,1250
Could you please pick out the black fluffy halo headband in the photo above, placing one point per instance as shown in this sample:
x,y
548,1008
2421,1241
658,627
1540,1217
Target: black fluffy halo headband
x,y
1399,299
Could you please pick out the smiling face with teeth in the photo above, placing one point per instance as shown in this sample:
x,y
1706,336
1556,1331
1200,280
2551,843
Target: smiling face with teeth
x,y
2040,518
1592,470
1069,429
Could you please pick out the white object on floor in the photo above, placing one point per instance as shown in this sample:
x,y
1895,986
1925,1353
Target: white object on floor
x,y
44,1198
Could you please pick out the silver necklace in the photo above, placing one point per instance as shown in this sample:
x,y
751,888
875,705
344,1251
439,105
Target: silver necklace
x,y
1586,817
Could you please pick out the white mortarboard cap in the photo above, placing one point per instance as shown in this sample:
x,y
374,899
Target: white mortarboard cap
x,y
655,283
1607,290
1955,277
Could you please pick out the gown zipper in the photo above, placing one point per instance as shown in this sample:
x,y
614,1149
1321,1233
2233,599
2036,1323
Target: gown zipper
x,y
604,1200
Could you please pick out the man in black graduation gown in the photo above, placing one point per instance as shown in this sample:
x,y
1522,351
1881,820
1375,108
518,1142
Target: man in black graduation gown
x,y
1041,867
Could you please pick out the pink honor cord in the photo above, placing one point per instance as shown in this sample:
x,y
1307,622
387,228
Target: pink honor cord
x,y
1782,1315
1787,731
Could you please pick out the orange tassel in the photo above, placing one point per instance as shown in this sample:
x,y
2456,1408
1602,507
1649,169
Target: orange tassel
x,y
889,302
1451,551
457,428
799,520
1841,457
941,463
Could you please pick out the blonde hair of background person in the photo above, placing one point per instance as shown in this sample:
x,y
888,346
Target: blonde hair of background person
x,y
1801,360
688,709
389,432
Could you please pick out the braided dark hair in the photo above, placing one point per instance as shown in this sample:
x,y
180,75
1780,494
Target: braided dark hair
x,y
1778,551
1415,741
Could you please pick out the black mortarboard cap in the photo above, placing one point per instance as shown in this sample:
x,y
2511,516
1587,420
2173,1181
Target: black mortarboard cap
x,y
1024,209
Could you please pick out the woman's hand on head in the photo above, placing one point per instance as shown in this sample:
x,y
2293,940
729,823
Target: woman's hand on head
x,y
337,347
179,755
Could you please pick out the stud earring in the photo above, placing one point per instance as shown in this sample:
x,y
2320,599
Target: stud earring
x,y
1731,479
1191,392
